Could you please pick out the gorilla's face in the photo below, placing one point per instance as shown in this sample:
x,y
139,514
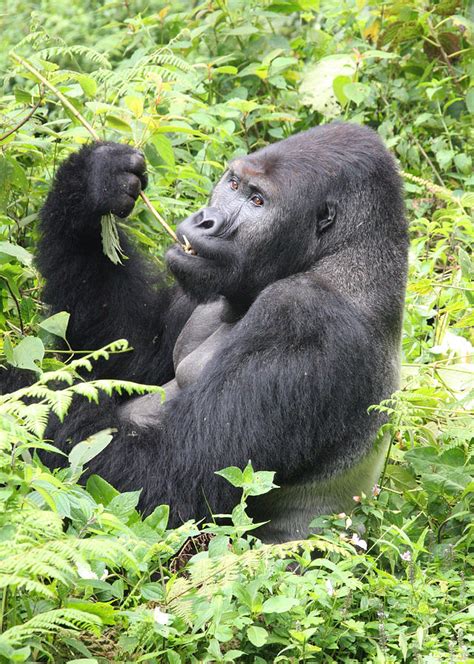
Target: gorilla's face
x,y
256,230
268,217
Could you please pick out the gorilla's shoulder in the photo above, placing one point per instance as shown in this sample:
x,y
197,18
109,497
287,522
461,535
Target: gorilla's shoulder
x,y
302,304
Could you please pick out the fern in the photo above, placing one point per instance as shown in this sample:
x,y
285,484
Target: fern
x,y
76,50
50,622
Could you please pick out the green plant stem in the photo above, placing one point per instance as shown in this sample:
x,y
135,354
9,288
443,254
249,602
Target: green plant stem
x,y
24,120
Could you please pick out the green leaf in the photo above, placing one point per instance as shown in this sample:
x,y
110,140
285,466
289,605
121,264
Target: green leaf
x,y
158,519
279,604
90,448
56,324
88,84
118,123
153,592
356,92
470,100
124,504
445,158
135,104
165,149
338,87
257,636
29,351
232,474
9,250
100,490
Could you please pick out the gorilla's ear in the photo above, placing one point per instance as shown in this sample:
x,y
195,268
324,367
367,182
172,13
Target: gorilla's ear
x,y
327,216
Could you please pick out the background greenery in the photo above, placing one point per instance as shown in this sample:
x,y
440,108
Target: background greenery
x,y
83,578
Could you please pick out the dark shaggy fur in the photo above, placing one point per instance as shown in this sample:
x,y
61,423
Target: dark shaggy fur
x,y
305,248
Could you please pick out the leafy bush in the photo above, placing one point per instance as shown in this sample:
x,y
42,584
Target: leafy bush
x,y
83,576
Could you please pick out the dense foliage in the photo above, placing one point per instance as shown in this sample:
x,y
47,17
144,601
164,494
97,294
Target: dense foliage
x,y
83,577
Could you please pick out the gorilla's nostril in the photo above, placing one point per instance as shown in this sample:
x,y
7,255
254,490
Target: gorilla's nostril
x,y
207,223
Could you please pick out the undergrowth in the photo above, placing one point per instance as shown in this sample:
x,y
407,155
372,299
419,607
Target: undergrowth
x,y
83,577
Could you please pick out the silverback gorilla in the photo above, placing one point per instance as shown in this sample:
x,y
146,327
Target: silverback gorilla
x,y
282,328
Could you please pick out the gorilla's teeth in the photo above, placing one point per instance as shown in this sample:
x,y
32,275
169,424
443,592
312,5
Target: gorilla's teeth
x,y
187,247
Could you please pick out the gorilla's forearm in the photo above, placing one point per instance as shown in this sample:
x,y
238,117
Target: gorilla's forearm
x,y
106,301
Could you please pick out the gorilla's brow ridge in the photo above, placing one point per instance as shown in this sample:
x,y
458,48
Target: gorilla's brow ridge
x,y
253,177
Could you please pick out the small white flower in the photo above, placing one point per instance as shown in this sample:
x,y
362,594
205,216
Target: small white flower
x,y
376,490
329,588
348,522
84,571
342,515
105,574
161,617
406,556
356,499
357,541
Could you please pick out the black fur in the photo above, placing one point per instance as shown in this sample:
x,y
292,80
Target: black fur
x,y
313,283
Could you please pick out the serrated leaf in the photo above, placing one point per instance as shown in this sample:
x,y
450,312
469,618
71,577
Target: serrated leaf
x,y
124,504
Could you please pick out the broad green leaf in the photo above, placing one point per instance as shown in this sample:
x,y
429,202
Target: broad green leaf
x,y
279,604
124,504
232,474
119,123
153,591
29,351
9,250
135,104
356,92
56,324
90,448
88,84
100,490
258,636
158,519
338,86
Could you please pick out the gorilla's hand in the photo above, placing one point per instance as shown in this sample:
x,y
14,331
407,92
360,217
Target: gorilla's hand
x,y
115,176
99,179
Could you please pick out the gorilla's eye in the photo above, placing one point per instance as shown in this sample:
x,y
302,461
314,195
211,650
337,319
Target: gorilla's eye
x,y
257,200
234,183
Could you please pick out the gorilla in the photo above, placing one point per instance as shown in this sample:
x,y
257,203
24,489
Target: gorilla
x,y
281,329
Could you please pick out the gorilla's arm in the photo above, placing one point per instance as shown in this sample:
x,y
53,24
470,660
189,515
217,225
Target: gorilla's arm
x,y
107,301
278,389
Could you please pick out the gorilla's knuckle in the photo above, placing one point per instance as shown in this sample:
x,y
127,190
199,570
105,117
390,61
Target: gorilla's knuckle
x,y
137,163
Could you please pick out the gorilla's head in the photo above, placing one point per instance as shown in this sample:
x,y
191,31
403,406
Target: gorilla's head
x,y
283,209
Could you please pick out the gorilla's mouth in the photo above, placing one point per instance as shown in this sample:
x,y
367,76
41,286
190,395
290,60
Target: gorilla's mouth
x,y
188,248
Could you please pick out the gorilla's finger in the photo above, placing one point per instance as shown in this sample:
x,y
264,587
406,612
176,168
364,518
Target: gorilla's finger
x,y
131,185
123,206
135,163
144,180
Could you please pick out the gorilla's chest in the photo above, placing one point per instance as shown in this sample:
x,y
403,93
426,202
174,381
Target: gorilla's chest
x,y
199,341
202,336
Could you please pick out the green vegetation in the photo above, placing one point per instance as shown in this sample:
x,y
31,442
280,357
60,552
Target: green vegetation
x,y
83,577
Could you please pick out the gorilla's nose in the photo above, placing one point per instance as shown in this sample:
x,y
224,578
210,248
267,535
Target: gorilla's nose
x,y
208,221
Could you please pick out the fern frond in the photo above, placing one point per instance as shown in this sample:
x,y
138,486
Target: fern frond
x,y
51,622
54,52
